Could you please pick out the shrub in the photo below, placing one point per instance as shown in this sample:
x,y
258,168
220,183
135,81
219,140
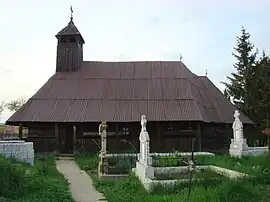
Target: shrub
x,y
12,179
21,182
87,162
167,161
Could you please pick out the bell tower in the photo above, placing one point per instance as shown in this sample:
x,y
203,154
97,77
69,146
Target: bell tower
x,y
69,48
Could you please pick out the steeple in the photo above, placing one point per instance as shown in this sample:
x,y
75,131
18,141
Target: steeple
x,y
69,48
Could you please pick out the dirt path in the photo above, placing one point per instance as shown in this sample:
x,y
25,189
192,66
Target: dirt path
x,y
80,183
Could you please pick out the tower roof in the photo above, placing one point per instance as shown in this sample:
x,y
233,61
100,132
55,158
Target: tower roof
x,y
70,30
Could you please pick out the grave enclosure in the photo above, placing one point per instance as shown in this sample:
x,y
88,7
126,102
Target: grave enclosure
x,y
239,146
18,149
147,172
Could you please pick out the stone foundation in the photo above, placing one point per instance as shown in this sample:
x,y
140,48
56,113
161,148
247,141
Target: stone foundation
x,y
238,148
256,151
144,171
22,151
241,148
148,183
163,154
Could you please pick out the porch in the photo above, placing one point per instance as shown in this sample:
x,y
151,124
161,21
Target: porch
x,y
123,137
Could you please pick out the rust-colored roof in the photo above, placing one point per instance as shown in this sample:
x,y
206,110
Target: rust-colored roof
x,y
123,91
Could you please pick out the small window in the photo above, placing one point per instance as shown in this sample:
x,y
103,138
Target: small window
x,y
63,40
72,40
124,131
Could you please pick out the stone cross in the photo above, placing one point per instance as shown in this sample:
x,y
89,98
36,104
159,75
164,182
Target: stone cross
x,y
238,146
144,157
103,133
143,123
237,127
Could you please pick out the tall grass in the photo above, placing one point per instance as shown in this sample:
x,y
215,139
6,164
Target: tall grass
x,y
253,165
20,182
255,189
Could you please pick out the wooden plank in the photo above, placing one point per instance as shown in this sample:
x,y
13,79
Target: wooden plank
x,y
74,138
20,131
199,137
56,132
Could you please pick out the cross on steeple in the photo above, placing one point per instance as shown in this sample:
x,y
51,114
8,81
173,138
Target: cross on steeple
x,y
71,13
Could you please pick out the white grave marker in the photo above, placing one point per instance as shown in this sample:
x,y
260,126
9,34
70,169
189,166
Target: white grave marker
x,y
238,146
103,134
144,167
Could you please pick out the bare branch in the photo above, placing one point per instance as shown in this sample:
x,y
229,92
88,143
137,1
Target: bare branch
x,y
2,107
15,105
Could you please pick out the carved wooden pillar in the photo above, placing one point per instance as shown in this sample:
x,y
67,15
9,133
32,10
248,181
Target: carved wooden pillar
x,y
56,133
74,138
20,131
199,137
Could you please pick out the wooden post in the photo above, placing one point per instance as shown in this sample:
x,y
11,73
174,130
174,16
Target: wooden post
x,y
119,144
199,137
74,139
159,138
56,133
20,131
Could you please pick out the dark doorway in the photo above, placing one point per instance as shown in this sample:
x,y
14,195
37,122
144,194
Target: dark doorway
x,y
65,139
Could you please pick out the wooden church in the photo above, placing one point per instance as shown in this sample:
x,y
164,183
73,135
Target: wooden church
x,y
65,112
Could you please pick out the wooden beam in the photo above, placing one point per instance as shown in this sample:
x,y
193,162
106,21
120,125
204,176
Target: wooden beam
x,y
199,137
74,138
159,137
116,125
56,133
20,131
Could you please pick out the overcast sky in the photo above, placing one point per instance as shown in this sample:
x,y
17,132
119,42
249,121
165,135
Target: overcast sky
x,y
203,32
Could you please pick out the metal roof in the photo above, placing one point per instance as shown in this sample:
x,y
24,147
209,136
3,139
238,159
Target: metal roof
x,y
123,91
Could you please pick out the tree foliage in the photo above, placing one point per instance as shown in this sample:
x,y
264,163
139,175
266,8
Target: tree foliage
x,y
2,107
248,86
240,84
262,93
15,105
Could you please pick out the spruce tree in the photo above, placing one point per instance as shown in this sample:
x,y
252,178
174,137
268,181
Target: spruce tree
x,y
262,93
241,83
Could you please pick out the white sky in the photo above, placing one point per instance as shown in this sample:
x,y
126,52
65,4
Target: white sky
x,y
203,33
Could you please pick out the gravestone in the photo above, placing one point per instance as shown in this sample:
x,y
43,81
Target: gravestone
x,y
144,156
144,167
102,165
103,134
238,146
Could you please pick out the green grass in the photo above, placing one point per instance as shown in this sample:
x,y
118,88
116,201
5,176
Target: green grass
x,y
41,183
253,165
223,190
2,128
185,175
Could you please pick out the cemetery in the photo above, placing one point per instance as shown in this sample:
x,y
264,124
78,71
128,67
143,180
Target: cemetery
x,y
173,173
178,174
169,168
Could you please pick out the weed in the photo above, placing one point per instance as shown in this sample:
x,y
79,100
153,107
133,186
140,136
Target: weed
x,y
207,190
40,183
